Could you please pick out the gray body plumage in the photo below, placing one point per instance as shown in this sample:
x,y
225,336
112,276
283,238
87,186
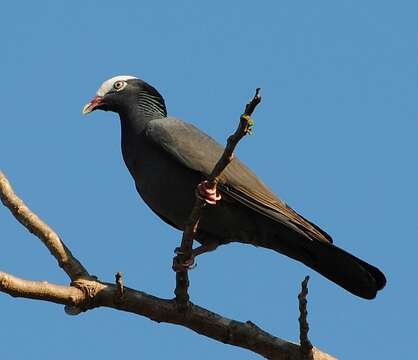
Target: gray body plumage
x,y
167,158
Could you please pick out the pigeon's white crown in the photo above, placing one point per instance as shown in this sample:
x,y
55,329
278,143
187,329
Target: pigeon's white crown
x,y
108,84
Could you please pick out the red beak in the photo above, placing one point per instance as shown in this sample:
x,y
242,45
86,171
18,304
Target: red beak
x,y
92,105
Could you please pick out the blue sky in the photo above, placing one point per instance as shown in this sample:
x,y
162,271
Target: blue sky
x,y
335,137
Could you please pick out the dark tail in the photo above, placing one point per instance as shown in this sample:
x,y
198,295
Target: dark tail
x,y
346,270
337,265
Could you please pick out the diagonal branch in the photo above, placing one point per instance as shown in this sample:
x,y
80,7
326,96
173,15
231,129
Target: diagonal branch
x,y
185,253
36,226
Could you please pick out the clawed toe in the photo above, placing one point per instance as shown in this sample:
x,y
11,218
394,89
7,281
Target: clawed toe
x,y
211,196
185,266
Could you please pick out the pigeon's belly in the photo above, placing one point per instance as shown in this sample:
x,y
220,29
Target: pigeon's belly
x,y
168,196
168,188
164,184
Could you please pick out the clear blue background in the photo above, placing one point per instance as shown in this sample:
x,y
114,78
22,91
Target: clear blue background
x,y
335,137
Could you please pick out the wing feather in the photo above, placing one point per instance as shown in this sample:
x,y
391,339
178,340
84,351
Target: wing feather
x,y
199,152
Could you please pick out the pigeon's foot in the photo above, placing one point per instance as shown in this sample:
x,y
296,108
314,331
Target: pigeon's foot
x,y
186,265
190,263
211,196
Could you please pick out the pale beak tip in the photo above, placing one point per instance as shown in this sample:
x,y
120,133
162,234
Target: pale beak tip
x,y
86,109
92,105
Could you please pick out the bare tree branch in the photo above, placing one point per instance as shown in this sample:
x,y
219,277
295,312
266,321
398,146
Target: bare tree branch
x,y
90,294
39,290
86,293
192,224
36,226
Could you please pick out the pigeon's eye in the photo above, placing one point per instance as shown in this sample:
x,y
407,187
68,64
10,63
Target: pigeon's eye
x,y
119,85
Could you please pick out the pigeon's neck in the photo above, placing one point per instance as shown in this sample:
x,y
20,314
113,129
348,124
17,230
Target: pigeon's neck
x,y
147,105
144,106
134,122
132,126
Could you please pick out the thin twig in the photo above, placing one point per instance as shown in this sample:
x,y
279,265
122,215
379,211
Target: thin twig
x,y
45,233
305,344
185,252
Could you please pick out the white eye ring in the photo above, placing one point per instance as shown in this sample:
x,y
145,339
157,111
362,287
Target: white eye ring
x,y
119,85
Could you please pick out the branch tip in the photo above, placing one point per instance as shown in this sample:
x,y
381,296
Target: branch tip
x,y
305,344
250,107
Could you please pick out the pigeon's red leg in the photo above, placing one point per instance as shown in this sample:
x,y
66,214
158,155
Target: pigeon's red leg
x,y
211,196
190,264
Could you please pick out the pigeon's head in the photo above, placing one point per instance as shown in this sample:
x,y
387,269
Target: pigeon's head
x,y
125,93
